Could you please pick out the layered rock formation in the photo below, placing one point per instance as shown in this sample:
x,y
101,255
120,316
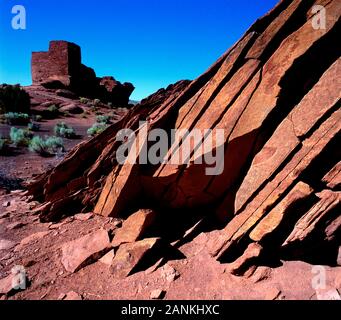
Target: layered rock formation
x,y
276,95
61,67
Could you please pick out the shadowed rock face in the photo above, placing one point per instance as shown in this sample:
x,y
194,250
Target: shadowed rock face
x,y
61,67
276,95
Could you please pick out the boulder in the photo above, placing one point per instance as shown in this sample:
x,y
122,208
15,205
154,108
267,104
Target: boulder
x,y
129,255
134,227
246,264
71,108
66,94
78,253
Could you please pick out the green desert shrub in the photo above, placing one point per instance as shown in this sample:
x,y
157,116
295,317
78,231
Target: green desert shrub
x,y
55,144
46,147
33,127
96,102
3,145
39,146
51,112
96,129
94,108
63,130
103,119
53,108
38,118
14,118
84,100
14,99
20,137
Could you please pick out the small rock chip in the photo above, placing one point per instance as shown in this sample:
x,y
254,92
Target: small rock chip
x,y
272,294
328,294
107,259
6,244
6,204
261,274
84,216
55,226
156,294
73,296
61,296
169,273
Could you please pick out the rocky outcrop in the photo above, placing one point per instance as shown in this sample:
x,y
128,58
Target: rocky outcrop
x,y
276,96
61,67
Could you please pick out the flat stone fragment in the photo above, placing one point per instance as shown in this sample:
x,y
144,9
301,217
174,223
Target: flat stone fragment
x,y
81,252
129,255
6,244
133,227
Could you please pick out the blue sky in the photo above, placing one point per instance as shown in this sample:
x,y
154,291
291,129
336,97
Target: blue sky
x,y
150,43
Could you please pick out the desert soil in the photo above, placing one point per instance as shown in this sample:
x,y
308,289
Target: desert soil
x,y
196,275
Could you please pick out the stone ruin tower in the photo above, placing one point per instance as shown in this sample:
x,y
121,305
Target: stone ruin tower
x,y
61,63
61,68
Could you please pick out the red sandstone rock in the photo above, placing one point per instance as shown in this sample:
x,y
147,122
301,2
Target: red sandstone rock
x,y
6,244
129,255
276,94
72,109
246,263
78,253
134,227
156,294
